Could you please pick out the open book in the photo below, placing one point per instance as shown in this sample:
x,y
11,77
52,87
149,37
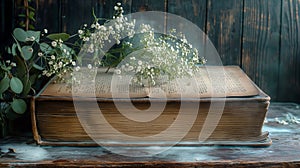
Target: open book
x,y
211,81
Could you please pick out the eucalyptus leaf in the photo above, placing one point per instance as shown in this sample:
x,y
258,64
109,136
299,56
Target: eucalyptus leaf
x,y
13,49
57,36
27,87
4,84
35,34
27,52
36,66
19,106
46,48
9,50
16,85
20,34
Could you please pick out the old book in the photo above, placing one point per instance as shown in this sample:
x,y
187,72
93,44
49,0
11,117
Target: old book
x,y
220,106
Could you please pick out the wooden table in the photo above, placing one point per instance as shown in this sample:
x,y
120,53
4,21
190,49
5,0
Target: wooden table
x,y
284,152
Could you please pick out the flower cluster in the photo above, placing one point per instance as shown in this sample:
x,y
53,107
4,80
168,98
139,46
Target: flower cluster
x,y
138,50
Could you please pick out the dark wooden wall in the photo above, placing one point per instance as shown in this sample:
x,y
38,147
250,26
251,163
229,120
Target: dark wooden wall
x,y
261,36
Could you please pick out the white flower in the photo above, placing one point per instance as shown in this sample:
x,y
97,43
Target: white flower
x,y
86,39
54,43
89,66
46,31
65,50
80,31
85,25
140,62
77,68
40,54
119,4
73,63
7,61
50,62
116,7
44,72
52,57
130,68
118,71
60,64
13,64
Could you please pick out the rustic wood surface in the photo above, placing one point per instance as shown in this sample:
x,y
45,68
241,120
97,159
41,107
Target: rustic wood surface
x,y
289,74
284,152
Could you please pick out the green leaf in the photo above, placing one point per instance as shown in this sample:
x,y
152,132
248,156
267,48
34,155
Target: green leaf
x,y
9,50
20,34
46,48
35,34
57,36
16,85
13,49
4,84
27,88
36,66
19,106
27,51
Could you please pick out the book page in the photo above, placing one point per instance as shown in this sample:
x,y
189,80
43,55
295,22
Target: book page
x,y
102,84
211,81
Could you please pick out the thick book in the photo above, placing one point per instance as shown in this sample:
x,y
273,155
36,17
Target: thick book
x,y
219,106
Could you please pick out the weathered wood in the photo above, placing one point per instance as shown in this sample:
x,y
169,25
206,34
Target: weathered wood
x,y
48,15
74,14
224,28
289,76
148,5
193,10
284,152
261,35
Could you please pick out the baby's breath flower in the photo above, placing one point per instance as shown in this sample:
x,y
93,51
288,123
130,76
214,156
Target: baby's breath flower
x,y
40,54
52,57
77,68
54,43
90,66
50,62
45,31
80,31
13,64
118,71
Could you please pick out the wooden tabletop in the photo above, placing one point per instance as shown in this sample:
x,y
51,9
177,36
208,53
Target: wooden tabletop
x,y
284,152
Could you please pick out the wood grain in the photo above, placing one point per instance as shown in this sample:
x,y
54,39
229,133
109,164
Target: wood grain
x,y
47,15
193,10
261,36
148,5
289,76
224,28
74,14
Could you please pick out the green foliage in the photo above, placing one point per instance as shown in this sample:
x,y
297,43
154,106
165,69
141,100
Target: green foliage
x,y
57,36
23,67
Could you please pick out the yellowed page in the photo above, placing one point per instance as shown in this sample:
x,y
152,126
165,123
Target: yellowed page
x,y
211,81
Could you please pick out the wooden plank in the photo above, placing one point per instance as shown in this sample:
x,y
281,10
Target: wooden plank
x,y
148,5
289,79
261,35
75,13
7,21
224,28
193,10
47,15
